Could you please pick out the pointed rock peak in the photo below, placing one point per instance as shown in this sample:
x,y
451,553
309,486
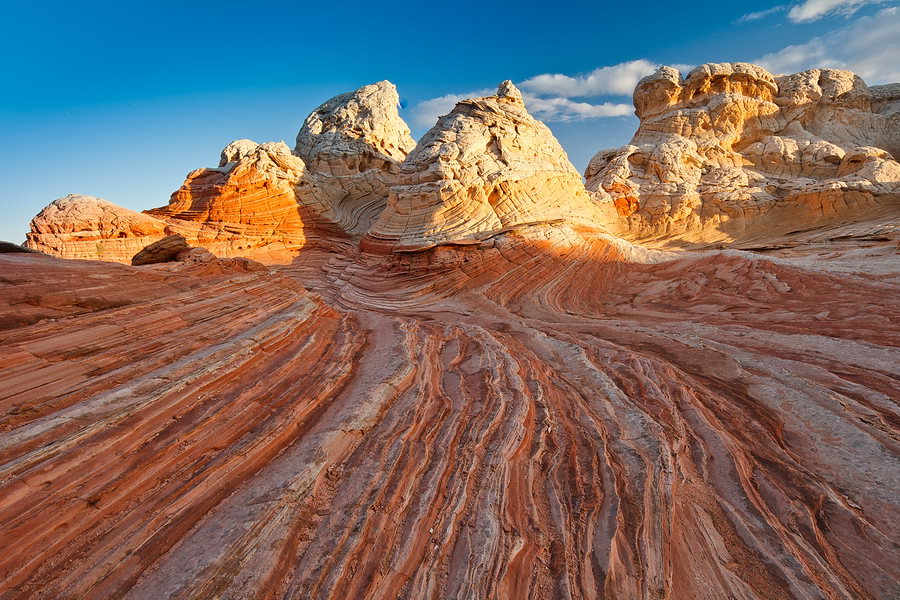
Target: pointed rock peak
x,y
365,120
509,91
353,146
240,149
662,74
237,150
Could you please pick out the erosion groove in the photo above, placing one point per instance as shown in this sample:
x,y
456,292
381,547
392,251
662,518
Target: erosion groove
x,y
532,423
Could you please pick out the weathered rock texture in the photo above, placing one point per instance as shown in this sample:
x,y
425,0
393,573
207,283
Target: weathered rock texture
x,y
493,423
732,153
353,146
165,250
247,206
554,413
85,227
486,168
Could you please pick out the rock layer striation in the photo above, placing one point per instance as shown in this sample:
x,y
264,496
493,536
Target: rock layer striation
x,y
500,422
486,168
353,146
89,228
247,206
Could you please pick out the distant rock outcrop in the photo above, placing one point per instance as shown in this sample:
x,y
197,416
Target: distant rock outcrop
x,y
13,248
353,146
262,200
89,228
733,153
486,168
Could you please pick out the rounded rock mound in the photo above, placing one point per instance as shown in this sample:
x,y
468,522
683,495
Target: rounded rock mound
x,y
85,227
486,168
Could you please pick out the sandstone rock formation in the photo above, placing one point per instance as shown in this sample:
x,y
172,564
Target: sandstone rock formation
x,y
353,146
164,250
85,227
731,153
262,200
486,168
247,206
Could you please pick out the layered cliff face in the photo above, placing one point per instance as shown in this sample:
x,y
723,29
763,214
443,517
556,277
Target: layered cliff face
x,y
353,146
734,154
486,168
89,228
246,206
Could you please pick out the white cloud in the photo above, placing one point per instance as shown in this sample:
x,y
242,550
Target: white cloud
x,y
549,97
426,113
616,80
564,109
760,14
813,10
869,46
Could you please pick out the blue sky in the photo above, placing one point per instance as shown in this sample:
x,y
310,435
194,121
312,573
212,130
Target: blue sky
x,y
122,100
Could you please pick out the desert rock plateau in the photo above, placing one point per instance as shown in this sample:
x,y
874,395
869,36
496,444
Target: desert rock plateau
x,y
370,367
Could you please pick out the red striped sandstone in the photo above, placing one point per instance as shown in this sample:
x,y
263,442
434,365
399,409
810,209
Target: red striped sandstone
x,y
496,422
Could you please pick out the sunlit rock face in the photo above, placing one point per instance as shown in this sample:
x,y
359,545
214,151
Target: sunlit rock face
x,y
89,228
732,154
353,146
247,206
486,168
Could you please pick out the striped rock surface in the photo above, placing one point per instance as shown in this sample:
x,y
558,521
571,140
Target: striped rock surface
x,y
524,419
85,227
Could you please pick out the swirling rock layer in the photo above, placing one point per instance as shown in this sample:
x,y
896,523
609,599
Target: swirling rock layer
x,y
486,168
247,206
353,145
732,154
528,419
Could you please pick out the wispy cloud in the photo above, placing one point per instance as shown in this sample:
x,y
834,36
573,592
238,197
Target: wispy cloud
x,y
869,46
761,14
615,80
427,112
813,10
564,109
560,97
